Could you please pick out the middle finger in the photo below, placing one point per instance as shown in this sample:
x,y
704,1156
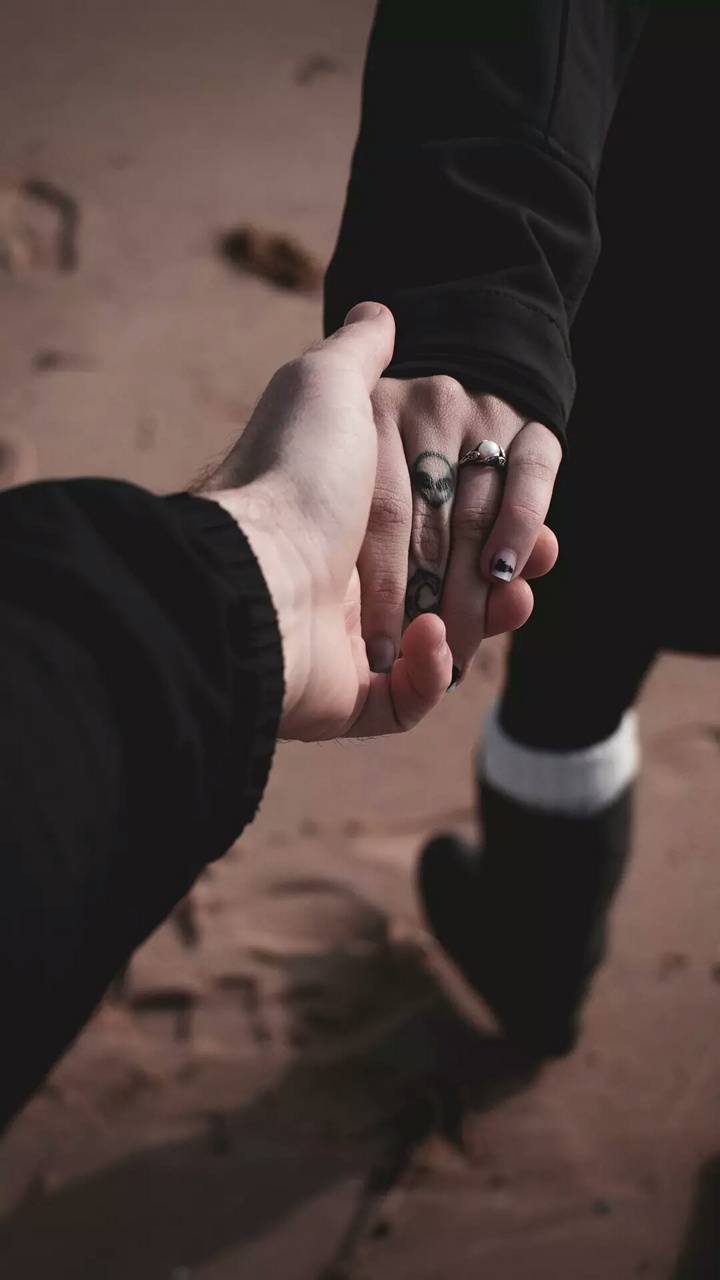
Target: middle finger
x,y
433,476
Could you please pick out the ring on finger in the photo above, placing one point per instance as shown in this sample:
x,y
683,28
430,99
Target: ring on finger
x,y
487,453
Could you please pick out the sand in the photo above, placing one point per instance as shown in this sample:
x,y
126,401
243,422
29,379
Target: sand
x,y
290,1083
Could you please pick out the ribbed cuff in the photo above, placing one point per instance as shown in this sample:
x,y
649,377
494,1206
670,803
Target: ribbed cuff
x,y
492,342
573,783
254,637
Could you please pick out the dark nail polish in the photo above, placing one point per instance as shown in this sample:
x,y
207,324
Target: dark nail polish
x,y
456,673
381,653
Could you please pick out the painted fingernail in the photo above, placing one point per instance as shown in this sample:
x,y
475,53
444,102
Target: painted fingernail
x,y
381,653
456,673
503,566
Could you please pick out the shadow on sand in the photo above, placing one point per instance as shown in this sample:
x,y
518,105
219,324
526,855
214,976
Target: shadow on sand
x,y
188,1202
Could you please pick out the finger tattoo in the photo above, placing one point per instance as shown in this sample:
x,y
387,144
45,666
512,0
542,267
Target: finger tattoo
x,y
433,478
423,593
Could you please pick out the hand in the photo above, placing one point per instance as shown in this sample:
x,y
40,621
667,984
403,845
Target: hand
x,y
438,537
299,483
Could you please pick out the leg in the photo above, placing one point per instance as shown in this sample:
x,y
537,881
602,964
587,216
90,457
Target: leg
x,y
525,919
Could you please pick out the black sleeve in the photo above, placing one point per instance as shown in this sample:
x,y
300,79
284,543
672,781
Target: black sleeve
x,y
471,204
141,686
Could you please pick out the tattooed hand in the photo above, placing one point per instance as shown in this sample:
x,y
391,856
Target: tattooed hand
x,y
445,540
423,593
299,484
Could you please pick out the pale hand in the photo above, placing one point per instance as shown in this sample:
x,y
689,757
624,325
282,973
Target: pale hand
x,y
300,483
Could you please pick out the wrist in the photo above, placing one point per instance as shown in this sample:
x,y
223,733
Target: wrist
x,y
287,576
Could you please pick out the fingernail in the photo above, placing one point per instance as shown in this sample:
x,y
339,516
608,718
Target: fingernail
x,y
381,653
503,566
456,673
362,311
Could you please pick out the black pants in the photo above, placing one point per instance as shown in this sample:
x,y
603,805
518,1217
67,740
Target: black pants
x,y
638,497
635,510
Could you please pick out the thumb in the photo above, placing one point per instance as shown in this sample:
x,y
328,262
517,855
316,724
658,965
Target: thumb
x,y
367,338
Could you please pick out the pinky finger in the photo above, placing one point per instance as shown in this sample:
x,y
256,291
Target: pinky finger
x,y
508,607
543,556
510,604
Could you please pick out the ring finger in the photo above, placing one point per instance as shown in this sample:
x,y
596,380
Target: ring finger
x,y
464,598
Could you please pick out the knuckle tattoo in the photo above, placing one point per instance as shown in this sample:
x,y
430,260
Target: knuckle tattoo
x,y
434,478
423,593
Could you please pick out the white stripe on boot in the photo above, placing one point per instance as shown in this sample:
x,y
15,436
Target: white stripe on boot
x,y
574,783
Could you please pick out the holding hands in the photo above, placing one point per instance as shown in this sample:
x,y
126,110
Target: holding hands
x,y
306,485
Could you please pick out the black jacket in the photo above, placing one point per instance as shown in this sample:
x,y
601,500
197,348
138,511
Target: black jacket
x,y
472,207
140,693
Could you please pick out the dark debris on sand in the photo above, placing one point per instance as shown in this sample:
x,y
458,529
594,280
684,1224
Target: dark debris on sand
x,y
276,257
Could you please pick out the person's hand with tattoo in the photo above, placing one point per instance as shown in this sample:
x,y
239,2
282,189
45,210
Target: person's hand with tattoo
x,y
439,538
299,483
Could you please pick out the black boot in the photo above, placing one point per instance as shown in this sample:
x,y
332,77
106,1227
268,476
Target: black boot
x,y
525,918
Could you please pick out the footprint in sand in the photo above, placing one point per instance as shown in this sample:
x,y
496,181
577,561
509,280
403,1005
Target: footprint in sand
x,y
39,224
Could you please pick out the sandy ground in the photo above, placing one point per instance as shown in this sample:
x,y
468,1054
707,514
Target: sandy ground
x,y
291,1084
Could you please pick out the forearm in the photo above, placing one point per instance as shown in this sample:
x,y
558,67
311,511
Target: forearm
x,y
141,681
471,206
